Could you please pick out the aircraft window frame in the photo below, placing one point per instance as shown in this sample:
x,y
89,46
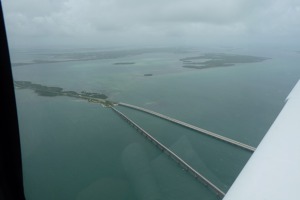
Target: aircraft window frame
x,y
11,180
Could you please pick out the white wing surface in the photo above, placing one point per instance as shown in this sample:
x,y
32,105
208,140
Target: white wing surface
x,y
273,171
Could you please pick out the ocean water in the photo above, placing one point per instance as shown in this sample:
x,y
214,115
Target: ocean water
x,y
73,149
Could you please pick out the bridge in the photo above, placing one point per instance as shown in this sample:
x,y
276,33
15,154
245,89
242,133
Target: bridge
x,y
195,128
174,156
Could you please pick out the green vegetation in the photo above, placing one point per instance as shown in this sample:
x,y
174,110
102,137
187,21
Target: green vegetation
x,y
124,63
57,91
218,60
93,55
40,89
94,95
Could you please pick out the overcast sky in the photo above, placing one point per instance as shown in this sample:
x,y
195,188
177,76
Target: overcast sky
x,y
151,22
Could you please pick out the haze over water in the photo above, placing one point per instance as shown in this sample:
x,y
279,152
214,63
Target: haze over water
x,y
73,149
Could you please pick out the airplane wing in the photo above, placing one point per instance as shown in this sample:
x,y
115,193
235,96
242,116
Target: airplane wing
x,y
273,171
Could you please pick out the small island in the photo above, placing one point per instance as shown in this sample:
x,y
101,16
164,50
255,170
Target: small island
x,y
148,74
218,60
124,63
57,91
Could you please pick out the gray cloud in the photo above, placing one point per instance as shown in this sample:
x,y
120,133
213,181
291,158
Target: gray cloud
x,y
124,22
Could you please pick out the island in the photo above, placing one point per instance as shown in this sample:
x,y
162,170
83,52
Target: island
x,y
57,91
148,74
124,63
218,60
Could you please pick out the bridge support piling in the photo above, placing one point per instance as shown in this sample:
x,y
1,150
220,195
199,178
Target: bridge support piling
x,y
172,155
195,128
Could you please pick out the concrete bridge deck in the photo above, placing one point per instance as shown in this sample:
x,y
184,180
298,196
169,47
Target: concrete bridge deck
x,y
195,128
174,156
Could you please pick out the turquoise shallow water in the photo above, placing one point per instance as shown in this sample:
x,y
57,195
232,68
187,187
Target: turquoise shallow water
x,y
73,149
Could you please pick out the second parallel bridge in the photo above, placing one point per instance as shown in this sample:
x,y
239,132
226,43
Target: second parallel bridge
x,y
195,128
174,156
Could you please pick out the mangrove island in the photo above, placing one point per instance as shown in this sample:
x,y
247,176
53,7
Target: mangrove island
x,y
57,91
218,60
